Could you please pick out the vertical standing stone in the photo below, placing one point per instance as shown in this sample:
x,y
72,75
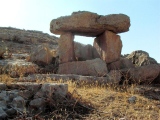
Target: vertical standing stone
x,y
66,47
108,46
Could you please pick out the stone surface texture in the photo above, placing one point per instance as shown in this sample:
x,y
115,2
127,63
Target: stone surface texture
x,y
120,64
23,41
142,74
157,80
66,48
108,46
95,67
17,67
41,55
141,58
90,24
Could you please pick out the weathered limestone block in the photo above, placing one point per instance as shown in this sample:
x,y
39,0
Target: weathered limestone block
x,y
17,67
95,67
108,46
19,103
56,89
120,64
90,24
66,47
142,74
157,80
39,103
49,89
113,77
41,55
141,58
85,52
26,94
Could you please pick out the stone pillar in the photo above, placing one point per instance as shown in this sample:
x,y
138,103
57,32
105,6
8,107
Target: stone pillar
x,y
109,46
66,47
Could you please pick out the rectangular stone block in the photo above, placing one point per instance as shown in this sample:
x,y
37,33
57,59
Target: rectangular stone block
x,y
66,47
96,67
109,46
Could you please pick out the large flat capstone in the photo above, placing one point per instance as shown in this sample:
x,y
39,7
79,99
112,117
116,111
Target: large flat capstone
x,y
90,24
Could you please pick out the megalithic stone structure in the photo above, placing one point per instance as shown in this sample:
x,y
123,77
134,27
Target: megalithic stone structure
x,y
107,43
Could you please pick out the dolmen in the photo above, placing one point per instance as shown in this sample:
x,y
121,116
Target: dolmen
x,y
105,54
107,43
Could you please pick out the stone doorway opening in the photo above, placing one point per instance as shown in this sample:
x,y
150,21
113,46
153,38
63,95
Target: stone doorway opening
x,y
83,48
84,40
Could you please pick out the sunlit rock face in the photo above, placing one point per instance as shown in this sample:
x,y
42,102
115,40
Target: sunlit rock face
x,y
90,24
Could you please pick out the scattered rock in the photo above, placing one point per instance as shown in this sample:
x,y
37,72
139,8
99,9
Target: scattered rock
x,y
16,68
19,104
25,40
3,115
143,74
41,55
38,104
141,58
4,96
11,112
90,24
95,67
57,89
132,99
120,64
109,46
22,99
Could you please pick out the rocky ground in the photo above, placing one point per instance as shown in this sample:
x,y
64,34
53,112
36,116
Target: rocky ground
x,y
30,87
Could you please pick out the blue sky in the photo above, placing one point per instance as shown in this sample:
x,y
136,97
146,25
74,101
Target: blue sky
x,y
144,33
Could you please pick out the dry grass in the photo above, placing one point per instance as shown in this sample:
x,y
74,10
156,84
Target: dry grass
x,y
112,103
103,103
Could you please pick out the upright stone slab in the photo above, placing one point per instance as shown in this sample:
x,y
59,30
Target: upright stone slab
x,y
66,47
108,46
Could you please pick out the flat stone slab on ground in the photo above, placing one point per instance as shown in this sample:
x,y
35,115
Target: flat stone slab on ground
x,y
90,24
112,77
95,67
